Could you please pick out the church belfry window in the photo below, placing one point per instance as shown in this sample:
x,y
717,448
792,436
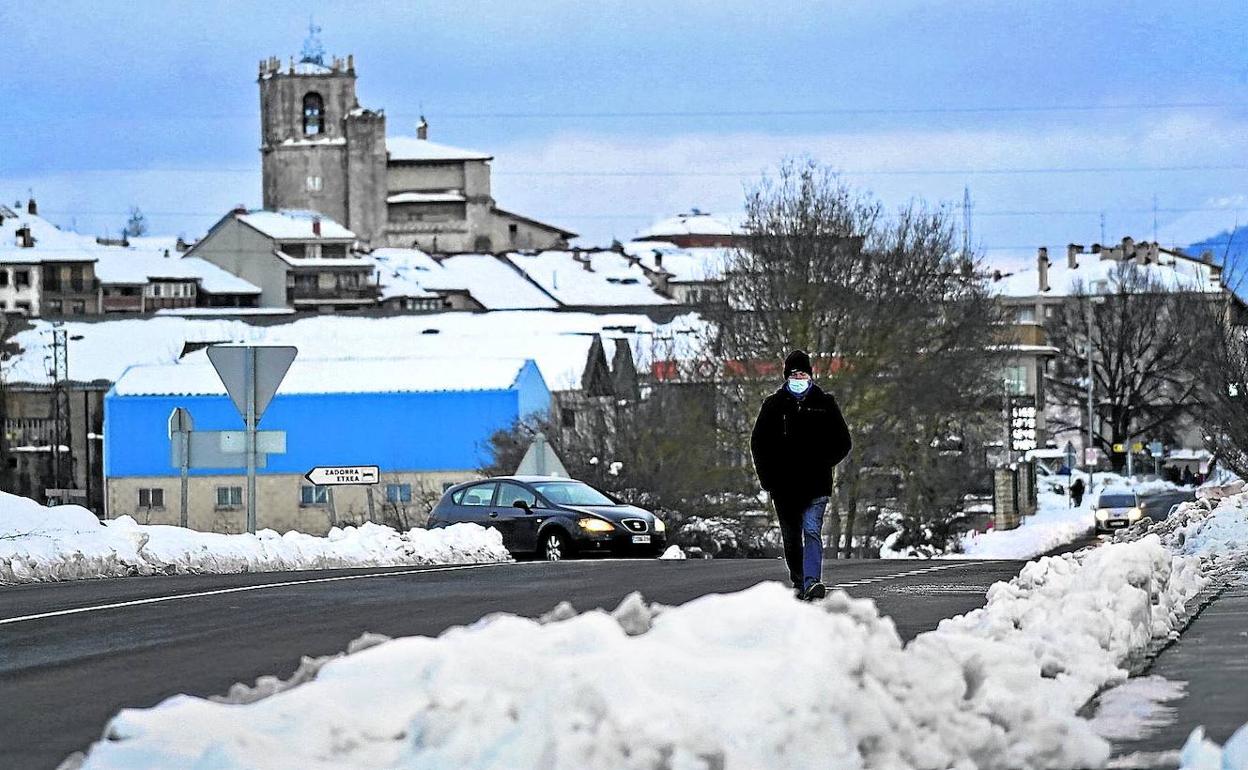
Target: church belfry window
x,y
313,114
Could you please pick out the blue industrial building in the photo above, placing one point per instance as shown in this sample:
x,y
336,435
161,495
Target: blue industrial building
x,y
420,420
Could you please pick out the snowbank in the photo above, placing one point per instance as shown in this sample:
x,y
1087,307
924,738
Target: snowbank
x,y
1200,753
744,680
69,543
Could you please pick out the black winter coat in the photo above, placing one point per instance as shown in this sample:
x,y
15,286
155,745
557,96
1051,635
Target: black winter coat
x,y
796,443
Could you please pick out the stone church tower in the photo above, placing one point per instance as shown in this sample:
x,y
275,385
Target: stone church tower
x,y
319,149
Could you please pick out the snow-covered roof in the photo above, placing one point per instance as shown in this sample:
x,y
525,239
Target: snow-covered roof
x,y
138,266
611,279
1096,276
291,141
226,311
691,265
295,224
557,341
312,68
447,196
416,149
51,243
693,223
493,283
344,375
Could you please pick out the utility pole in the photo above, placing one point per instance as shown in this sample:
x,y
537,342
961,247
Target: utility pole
x,y
1102,228
966,221
1005,419
1091,407
61,412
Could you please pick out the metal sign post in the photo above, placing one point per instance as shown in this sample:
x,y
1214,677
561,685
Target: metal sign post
x,y
180,427
251,375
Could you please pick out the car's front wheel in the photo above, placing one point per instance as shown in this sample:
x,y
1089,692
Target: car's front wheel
x,y
555,546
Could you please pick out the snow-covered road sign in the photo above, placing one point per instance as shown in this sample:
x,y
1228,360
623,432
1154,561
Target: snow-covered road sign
x,y
343,475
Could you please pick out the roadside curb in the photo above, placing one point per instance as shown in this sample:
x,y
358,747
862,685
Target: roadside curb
x,y
1220,580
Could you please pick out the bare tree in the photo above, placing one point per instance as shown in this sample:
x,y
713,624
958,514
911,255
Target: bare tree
x,y
902,325
1222,370
1147,336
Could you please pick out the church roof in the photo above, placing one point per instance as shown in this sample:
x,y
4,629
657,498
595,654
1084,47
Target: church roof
x,y
410,148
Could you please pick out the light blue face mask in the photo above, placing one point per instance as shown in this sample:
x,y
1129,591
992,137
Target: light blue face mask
x,y
797,386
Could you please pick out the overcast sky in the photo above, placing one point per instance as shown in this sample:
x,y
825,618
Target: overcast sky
x,y
605,116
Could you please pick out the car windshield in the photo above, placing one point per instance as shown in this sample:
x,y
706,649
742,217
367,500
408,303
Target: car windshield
x,y
572,493
1117,501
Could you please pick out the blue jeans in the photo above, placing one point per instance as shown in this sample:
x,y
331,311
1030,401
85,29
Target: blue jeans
x,y
801,528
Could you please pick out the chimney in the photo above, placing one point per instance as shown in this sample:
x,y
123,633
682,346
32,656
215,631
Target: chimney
x,y
182,246
32,208
316,226
239,209
658,259
1042,267
1073,250
350,64
422,128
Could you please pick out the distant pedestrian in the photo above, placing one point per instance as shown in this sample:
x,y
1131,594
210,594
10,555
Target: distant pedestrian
x,y
1076,493
1189,479
799,436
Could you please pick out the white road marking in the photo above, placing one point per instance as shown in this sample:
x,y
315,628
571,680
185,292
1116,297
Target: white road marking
x,y
239,589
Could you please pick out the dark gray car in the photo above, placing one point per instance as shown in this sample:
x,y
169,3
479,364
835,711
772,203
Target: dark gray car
x,y
552,518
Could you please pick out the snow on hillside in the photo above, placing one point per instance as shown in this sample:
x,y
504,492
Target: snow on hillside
x,y
751,679
69,543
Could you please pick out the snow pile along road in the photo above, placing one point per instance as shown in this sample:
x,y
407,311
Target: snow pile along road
x,y
1200,753
69,543
746,680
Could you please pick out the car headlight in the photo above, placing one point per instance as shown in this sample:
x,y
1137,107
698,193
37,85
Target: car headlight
x,y
1135,513
659,526
1102,514
595,525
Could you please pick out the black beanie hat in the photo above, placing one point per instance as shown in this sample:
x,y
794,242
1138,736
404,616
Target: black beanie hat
x,y
797,361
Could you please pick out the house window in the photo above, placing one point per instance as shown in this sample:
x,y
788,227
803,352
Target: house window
x,y
314,184
21,279
229,497
567,417
4,277
75,277
79,307
398,493
153,497
155,290
22,306
313,114
51,279
1026,315
313,251
512,231
53,307
311,495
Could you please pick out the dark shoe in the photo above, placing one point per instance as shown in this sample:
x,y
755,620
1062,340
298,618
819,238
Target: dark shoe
x,y
816,591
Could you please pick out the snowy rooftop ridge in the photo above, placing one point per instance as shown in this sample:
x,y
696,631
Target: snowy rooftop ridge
x,y
410,148
197,377
694,222
1094,273
295,224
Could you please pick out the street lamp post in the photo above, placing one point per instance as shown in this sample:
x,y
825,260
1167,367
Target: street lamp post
x,y
1088,456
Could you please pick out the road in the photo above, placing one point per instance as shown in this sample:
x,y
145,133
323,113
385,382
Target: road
x,y
72,654
65,674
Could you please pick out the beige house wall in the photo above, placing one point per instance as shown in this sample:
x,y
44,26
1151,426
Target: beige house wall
x,y
278,501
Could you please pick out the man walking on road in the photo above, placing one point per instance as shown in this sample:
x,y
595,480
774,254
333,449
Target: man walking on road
x,y
799,436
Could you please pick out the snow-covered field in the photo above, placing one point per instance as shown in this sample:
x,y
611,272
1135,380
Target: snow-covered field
x,y
69,543
744,680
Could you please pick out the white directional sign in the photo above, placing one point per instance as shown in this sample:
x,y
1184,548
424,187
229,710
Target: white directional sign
x,y
343,475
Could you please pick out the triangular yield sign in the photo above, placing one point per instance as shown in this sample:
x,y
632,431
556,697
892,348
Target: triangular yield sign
x,y
271,364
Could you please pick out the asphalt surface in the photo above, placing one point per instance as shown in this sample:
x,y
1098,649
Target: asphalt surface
x,y
64,675
73,654
1211,657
